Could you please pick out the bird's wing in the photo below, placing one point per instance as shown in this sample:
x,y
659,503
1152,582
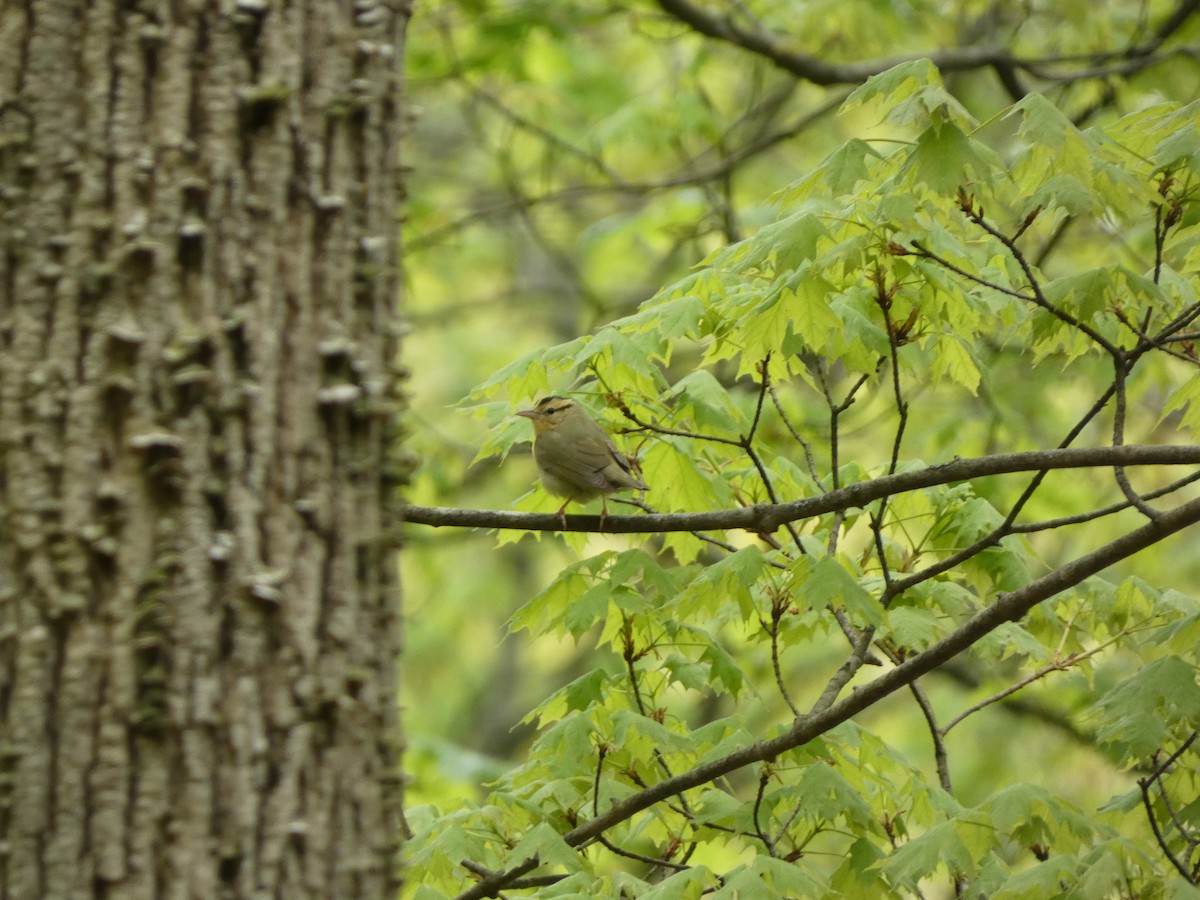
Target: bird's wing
x,y
618,470
596,464
577,464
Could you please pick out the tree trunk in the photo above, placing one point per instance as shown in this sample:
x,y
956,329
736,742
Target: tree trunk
x,y
198,595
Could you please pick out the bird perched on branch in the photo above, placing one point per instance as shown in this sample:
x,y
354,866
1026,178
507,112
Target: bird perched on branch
x,y
575,456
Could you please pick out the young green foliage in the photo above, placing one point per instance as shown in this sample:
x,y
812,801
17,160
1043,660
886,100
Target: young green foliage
x,y
866,331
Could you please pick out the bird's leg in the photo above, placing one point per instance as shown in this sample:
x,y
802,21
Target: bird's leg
x,y
562,513
603,509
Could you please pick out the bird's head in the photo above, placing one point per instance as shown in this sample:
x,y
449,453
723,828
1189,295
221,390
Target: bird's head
x,y
550,412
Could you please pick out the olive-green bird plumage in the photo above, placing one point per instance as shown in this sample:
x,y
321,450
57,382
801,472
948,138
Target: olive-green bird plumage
x,y
575,456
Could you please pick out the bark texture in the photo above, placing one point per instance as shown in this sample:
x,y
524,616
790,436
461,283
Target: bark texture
x,y
198,598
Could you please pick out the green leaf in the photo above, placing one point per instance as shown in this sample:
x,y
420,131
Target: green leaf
x,y
828,796
676,482
578,694
1106,869
721,737
426,892
940,848
846,167
1131,799
1138,715
724,669
544,609
973,519
1010,639
706,402
439,851
524,377
543,842
722,584
1181,636
587,609
912,93
1181,144
829,584
636,565
945,160
1030,814
642,735
690,884
569,743
1043,879
716,807
952,359
586,689
686,672
1083,295
1178,889
806,301
499,439
1064,192
858,875
1041,121
782,246
763,330
913,628
629,359
1185,400
766,876
672,318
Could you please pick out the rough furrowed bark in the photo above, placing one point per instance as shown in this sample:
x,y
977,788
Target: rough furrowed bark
x,y
198,598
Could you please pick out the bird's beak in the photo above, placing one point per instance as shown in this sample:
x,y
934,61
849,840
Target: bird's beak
x,y
530,414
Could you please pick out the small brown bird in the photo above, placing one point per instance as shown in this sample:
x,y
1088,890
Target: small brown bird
x,y
575,456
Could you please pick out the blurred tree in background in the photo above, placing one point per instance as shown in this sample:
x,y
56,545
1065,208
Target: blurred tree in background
x,y
784,250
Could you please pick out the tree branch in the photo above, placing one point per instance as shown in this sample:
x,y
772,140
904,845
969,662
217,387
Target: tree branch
x,y
816,70
768,517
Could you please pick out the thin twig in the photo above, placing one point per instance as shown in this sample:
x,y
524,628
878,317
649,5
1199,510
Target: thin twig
x,y
779,606
805,445
975,214
883,300
747,444
1120,370
1145,784
764,778
641,857
941,760
603,751
1059,665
